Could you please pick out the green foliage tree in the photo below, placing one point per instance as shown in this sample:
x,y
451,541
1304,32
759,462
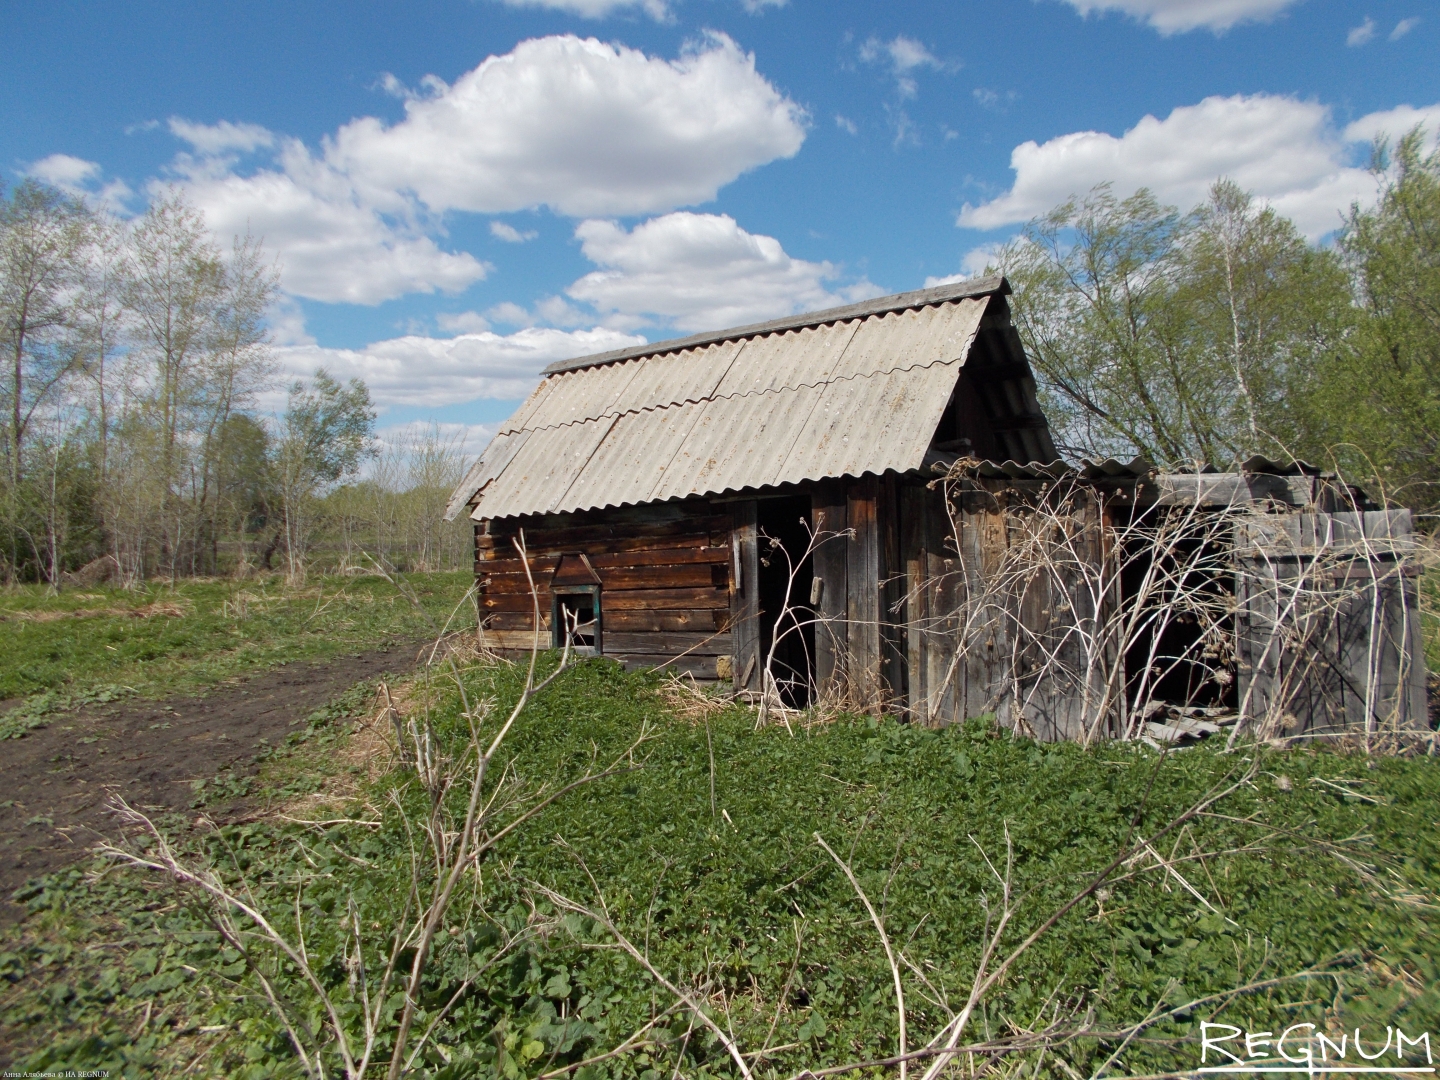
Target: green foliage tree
x,y
1179,337
200,327
244,482
1381,395
326,433
43,237
132,355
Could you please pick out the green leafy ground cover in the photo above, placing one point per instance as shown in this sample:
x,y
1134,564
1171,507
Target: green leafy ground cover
x,y
1322,862
1430,605
80,647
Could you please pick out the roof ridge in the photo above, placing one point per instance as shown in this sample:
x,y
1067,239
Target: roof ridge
x,y
940,294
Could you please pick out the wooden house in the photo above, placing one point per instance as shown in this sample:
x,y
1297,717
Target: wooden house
x,y
765,506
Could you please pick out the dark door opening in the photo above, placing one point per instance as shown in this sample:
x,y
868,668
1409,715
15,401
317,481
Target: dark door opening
x,y
1183,654
787,623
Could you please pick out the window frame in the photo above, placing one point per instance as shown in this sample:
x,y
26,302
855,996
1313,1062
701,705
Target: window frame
x,y
557,595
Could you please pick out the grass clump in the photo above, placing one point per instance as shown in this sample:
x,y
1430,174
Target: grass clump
x,y
1318,876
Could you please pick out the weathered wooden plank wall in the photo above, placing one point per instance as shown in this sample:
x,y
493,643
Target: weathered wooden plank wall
x,y
1328,625
934,592
665,577
999,607
863,571
745,597
890,577
832,635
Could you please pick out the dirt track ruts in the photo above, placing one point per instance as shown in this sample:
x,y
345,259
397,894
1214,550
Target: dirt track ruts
x,y
57,779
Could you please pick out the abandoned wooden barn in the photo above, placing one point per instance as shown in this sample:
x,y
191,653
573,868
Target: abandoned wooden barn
x,y
779,506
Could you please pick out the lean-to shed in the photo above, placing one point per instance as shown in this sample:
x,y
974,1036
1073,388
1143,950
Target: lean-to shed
x,y
780,506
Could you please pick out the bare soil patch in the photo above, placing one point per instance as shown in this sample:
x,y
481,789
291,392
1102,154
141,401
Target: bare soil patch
x,y
58,780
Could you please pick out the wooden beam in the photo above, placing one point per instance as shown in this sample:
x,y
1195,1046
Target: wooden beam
x,y
745,600
862,573
832,635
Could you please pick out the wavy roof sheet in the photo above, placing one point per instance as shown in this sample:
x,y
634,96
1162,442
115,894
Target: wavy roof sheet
x,y
780,403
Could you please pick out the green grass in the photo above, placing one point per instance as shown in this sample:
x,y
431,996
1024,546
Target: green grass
x,y
100,644
1430,615
1329,864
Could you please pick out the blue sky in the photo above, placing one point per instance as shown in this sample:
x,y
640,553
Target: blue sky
x,y
460,191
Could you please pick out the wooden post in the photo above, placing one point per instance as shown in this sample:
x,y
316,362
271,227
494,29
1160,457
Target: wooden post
x,y
832,635
916,616
862,572
745,598
890,573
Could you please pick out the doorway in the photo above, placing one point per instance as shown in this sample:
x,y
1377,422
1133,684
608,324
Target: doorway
x,y
787,624
1180,580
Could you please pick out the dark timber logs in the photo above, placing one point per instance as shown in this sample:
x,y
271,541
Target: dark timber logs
x,y
664,574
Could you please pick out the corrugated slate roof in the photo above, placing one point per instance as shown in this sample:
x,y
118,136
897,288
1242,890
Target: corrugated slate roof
x,y
800,399
990,286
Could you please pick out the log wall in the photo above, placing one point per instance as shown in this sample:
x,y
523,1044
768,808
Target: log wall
x,y
664,573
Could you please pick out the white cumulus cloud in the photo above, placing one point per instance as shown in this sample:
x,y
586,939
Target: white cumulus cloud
x,y
462,322
600,9
432,372
222,137
584,127
81,179
1362,34
333,243
904,56
1178,16
510,234
417,436
700,272
1394,123
64,171
973,264
1287,152
597,9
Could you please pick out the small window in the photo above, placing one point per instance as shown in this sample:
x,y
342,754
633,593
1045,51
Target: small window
x,y
575,614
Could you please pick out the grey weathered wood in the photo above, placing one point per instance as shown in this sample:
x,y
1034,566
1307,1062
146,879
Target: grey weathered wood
x,y
1347,658
832,634
945,585
745,600
915,618
862,572
1220,490
891,575
669,643
699,667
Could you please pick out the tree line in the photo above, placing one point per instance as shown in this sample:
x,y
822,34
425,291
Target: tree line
x,y
1217,334
136,354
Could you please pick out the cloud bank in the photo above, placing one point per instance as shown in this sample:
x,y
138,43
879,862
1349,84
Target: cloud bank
x,y
433,372
1287,152
582,127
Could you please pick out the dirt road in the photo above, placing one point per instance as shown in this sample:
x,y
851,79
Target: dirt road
x,y
58,779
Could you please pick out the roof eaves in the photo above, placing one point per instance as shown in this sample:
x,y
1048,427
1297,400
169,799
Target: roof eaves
x,y
940,294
